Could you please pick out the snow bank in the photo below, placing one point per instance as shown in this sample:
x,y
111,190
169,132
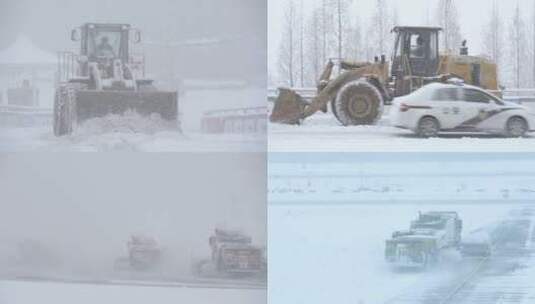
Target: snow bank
x,y
129,122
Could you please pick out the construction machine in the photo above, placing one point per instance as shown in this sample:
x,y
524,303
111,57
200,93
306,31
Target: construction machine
x,y
105,77
359,91
429,234
233,254
25,95
144,253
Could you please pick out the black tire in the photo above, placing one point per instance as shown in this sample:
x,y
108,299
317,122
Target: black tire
x,y
428,126
333,110
516,126
358,103
65,109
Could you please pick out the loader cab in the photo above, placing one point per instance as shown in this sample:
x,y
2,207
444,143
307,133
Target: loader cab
x,y
415,54
104,43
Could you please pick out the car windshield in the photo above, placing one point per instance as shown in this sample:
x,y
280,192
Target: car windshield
x,y
104,43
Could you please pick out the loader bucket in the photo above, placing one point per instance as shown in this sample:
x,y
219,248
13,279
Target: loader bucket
x,y
289,108
92,104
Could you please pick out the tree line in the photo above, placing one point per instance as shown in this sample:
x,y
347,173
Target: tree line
x,y
334,29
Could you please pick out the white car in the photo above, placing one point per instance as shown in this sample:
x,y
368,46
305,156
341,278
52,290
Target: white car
x,y
439,107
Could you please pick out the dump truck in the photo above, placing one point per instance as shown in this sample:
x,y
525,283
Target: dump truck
x,y
359,91
144,253
428,235
232,253
105,77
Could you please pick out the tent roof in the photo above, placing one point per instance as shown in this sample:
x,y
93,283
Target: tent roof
x,y
23,51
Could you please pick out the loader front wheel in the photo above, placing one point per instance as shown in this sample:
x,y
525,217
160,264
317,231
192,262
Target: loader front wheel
x,y
64,110
358,103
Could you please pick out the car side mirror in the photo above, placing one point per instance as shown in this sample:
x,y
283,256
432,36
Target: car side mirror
x,y
75,34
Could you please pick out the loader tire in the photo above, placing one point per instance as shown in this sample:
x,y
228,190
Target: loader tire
x,y
333,110
358,103
64,109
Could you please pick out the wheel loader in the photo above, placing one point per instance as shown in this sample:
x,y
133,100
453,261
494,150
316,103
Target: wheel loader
x,y
429,234
105,77
360,90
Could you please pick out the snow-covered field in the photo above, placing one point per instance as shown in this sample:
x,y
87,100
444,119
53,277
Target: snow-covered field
x,y
132,133
323,133
401,177
328,253
28,292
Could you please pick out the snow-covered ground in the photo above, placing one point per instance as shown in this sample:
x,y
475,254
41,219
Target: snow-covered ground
x,y
401,177
330,213
323,133
29,292
328,253
148,134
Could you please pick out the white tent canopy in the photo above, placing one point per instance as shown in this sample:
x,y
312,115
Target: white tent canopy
x,y
24,52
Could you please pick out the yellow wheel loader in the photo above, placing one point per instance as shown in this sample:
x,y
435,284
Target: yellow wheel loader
x,y
358,93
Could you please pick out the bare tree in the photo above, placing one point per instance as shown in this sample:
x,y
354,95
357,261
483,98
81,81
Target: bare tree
x,y
314,42
448,20
287,47
381,23
517,48
493,40
338,10
301,19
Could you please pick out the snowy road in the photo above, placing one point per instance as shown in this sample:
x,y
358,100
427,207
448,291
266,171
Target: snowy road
x,y
336,254
323,133
26,292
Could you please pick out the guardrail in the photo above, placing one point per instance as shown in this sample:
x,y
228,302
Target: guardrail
x,y
239,120
517,95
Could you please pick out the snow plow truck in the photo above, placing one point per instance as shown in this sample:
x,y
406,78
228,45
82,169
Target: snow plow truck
x,y
359,91
233,254
144,253
105,77
421,245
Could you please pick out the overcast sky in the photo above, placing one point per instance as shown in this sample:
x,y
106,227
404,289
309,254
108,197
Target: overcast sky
x,y
472,16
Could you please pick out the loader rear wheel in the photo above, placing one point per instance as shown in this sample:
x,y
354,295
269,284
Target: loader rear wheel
x,y
358,103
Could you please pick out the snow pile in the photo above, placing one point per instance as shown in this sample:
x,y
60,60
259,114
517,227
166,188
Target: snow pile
x,y
129,122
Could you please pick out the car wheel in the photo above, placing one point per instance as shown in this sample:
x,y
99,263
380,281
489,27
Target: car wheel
x,y
516,127
428,127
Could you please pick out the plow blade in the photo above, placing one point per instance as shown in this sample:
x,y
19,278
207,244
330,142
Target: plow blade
x,y
91,104
289,108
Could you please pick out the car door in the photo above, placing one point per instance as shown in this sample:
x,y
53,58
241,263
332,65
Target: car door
x,y
447,107
476,108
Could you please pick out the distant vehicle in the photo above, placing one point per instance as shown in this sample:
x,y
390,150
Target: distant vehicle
x,y
476,249
429,234
233,254
439,107
144,253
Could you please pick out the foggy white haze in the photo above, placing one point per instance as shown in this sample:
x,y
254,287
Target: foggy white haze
x,y
237,26
83,209
212,53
